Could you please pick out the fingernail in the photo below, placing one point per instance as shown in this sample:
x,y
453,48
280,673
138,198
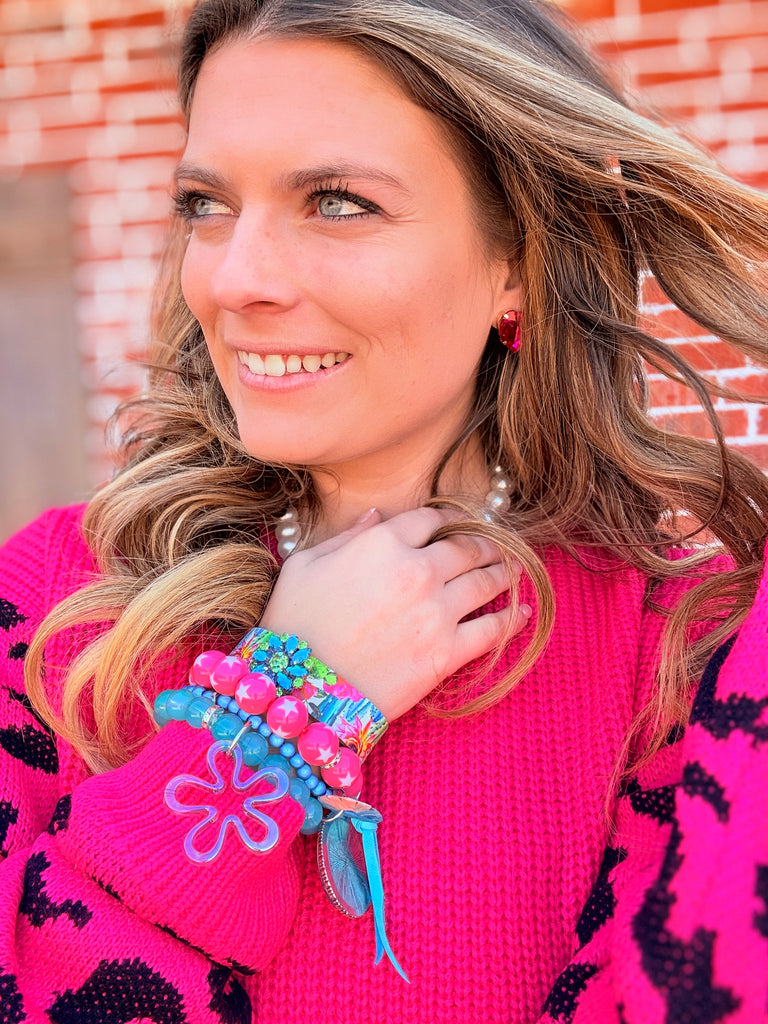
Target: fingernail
x,y
525,610
366,516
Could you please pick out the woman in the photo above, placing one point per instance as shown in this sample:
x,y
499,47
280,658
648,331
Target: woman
x,y
398,345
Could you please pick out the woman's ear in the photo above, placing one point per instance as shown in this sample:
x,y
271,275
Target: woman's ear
x,y
509,291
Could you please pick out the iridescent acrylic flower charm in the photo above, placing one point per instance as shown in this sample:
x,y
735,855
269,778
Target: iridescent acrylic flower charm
x,y
234,763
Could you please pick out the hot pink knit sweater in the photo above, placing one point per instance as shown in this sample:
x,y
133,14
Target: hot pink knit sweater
x,y
508,900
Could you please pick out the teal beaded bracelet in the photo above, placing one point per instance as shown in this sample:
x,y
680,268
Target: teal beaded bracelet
x,y
227,723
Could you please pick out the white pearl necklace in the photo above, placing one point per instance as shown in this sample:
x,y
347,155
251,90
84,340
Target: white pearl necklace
x,y
288,530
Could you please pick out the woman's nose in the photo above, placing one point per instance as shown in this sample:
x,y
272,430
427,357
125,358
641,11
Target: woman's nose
x,y
254,267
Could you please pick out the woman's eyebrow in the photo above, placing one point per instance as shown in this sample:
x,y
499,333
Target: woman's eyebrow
x,y
205,175
312,175
295,180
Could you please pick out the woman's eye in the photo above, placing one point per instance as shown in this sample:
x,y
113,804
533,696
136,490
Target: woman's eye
x,y
202,206
330,205
196,205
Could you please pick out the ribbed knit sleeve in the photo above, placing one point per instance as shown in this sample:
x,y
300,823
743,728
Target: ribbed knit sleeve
x,y
100,907
676,926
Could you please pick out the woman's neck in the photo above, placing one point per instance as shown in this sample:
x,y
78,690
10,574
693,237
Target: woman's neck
x,y
346,492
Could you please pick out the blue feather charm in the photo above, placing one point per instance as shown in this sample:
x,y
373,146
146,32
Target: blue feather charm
x,y
350,888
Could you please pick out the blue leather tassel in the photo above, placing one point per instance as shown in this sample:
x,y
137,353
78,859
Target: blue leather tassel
x,y
351,891
366,825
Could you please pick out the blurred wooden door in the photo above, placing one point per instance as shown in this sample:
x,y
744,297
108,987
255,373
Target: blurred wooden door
x,y
42,414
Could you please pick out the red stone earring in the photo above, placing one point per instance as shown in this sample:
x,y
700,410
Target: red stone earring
x,y
508,326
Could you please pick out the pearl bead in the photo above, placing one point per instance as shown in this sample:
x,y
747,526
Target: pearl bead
x,y
497,501
288,530
285,547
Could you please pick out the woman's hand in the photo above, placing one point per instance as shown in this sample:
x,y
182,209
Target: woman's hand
x,y
382,607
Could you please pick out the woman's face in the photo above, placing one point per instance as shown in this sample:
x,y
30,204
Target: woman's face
x,y
335,263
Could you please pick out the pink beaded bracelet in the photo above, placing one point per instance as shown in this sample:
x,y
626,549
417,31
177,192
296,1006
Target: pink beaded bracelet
x,y
286,716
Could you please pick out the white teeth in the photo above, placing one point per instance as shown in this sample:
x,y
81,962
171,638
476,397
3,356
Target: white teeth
x,y
255,363
274,366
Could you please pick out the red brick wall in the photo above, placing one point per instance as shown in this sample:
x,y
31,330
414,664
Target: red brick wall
x,y
704,67
91,91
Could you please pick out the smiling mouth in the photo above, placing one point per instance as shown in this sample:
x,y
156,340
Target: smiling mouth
x,y
278,366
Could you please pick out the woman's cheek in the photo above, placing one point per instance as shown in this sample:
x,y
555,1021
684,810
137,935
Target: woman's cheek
x,y
196,269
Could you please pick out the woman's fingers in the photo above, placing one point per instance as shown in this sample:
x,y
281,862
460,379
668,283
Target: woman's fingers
x,y
455,556
477,637
415,528
473,589
448,558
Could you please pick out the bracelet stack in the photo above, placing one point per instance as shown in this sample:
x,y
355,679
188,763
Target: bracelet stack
x,y
272,705
257,705
259,746
354,720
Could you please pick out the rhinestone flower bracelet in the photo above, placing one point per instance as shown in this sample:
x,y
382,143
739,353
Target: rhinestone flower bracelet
x,y
329,699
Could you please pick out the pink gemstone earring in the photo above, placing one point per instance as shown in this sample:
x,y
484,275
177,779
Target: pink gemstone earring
x,y
508,326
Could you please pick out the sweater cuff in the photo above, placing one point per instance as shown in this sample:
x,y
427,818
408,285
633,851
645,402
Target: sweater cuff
x,y
124,836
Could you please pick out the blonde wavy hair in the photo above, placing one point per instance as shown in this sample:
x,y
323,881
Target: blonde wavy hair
x,y
586,195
